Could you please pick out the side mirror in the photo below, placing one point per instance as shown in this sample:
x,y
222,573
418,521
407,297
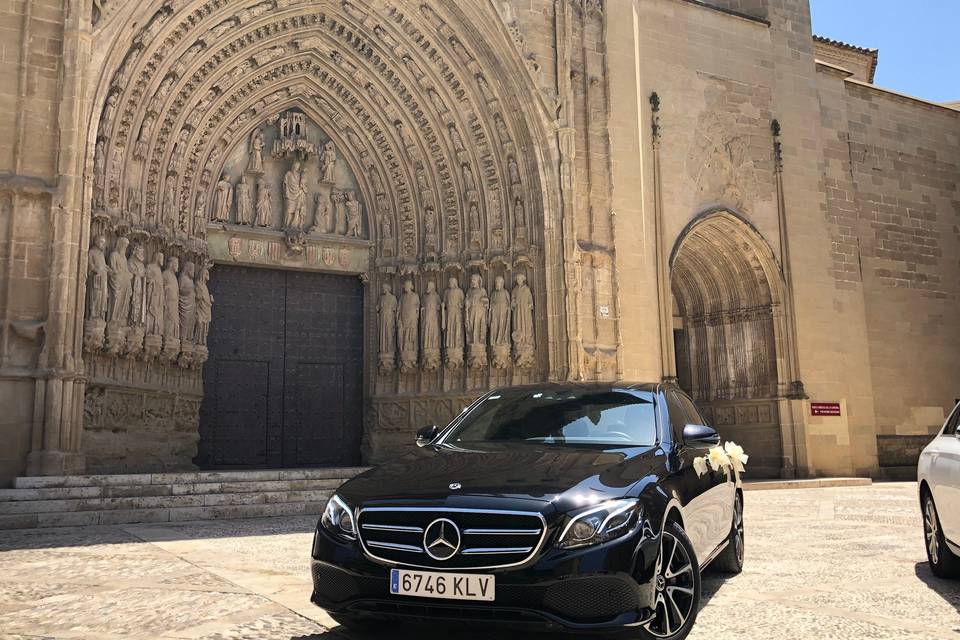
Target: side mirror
x,y
427,435
698,435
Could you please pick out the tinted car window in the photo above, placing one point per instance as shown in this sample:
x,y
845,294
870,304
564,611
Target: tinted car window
x,y
953,423
559,416
693,414
678,416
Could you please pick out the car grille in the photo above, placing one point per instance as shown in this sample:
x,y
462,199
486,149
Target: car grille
x,y
488,538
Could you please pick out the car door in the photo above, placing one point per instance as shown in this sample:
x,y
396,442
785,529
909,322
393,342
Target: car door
x,y
694,491
720,494
945,477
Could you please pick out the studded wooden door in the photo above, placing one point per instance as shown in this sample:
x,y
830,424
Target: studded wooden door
x,y
283,385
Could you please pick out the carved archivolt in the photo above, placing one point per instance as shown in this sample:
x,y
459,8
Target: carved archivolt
x,y
387,123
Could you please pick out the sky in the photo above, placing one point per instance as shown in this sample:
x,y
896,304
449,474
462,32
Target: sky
x,y
917,40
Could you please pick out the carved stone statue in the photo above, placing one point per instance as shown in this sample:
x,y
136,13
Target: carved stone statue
x,y
522,322
354,215
320,215
452,319
255,165
476,308
154,294
513,170
328,163
187,304
387,310
386,225
204,308
430,327
408,316
200,216
295,198
119,282
429,228
138,300
169,218
146,131
475,222
264,204
171,303
500,324
243,195
222,200
98,276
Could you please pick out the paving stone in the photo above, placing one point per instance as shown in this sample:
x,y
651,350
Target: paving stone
x,y
818,567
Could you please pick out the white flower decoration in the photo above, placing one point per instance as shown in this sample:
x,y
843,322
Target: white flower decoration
x,y
700,465
718,459
736,455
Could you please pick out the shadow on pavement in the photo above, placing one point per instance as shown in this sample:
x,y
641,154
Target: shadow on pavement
x,y
949,590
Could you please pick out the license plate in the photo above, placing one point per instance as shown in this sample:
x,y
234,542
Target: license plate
x,y
451,586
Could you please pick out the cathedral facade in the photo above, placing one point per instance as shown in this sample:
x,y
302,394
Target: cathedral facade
x,y
286,233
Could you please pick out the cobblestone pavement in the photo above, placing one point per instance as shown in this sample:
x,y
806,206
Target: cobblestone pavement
x,y
821,563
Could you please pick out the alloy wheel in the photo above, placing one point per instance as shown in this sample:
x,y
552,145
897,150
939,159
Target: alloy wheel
x,y
931,530
674,581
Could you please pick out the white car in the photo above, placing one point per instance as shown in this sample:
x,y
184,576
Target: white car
x,y
938,476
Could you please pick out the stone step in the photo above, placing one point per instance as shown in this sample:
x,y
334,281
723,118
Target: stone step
x,y
173,514
140,479
167,497
162,502
147,490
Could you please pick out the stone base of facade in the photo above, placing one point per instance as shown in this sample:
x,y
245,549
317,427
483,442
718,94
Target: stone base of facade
x,y
47,462
128,430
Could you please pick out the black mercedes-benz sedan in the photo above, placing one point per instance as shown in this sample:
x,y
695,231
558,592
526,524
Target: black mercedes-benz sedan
x,y
573,507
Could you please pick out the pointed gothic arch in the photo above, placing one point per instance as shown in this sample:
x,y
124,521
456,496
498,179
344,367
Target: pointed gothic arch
x,y
731,337
446,140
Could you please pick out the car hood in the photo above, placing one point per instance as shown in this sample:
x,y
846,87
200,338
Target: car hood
x,y
563,475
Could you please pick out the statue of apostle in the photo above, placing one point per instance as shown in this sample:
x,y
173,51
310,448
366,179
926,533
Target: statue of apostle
x,y
171,302
222,200
244,199
408,316
204,308
119,283
452,320
98,276
476,308
154,283
500,324
187,303
522,322
137,287
387,310
430,327
295,198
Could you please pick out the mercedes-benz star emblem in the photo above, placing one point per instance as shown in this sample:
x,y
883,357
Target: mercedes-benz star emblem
x,y
441,540
455,485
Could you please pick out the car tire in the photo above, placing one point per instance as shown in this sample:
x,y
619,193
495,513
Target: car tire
x,y
943,562
730,559
676,587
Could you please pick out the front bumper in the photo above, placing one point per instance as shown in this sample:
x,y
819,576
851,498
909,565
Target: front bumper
x,y
593,589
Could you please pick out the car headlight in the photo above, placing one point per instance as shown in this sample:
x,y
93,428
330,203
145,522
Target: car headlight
x,y
605,522
338,519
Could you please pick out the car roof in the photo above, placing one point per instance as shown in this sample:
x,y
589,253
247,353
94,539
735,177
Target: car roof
x,y
651,387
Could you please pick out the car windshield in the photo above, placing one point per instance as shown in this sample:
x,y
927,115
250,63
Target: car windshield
x,y
613,417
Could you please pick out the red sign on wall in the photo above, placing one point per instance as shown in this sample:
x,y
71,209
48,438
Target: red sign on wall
x,y
825,408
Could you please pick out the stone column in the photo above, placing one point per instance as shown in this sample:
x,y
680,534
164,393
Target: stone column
x,y
59,384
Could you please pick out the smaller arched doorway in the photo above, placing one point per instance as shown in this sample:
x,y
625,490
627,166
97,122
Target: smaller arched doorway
x,y
729,333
